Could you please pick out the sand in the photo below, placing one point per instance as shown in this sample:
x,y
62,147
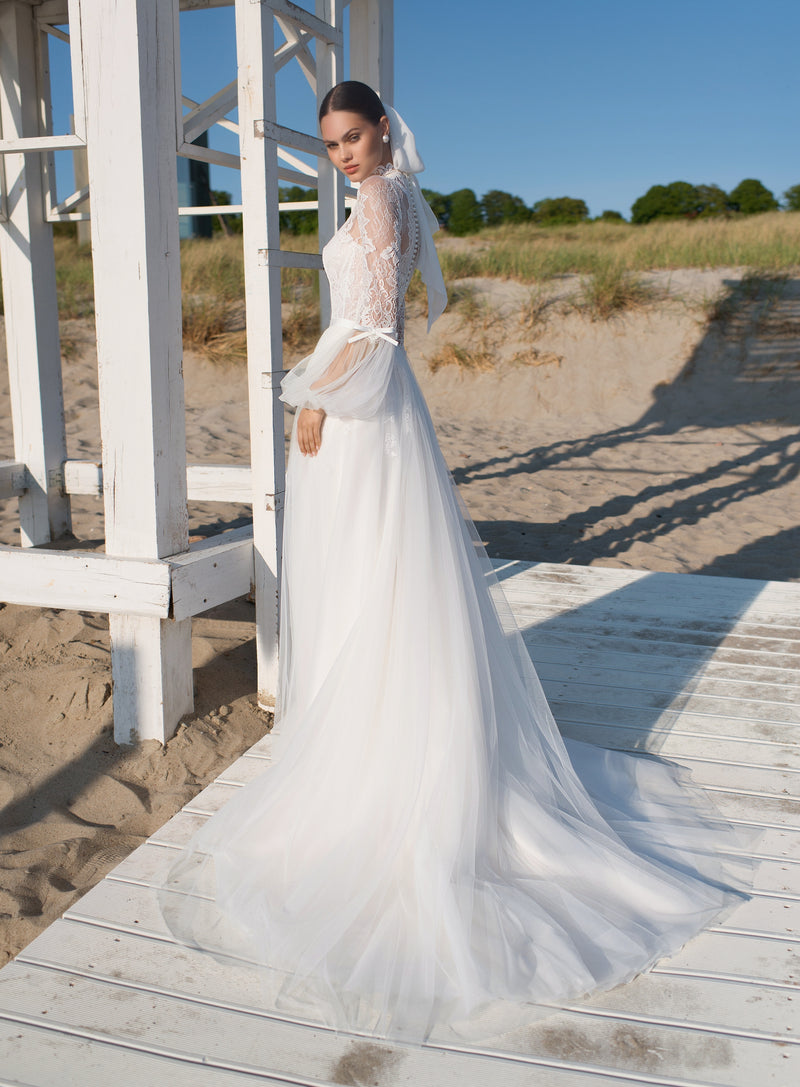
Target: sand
x,y
659,439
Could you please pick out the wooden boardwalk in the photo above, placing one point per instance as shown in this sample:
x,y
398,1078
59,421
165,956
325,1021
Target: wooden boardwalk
x,y
704,670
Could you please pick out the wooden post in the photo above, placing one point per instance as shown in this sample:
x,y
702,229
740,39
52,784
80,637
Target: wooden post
x,y
29,291
255,37
132,86
330,181
371,45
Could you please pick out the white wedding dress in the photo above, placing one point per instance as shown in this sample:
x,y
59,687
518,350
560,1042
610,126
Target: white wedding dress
x,y
425,856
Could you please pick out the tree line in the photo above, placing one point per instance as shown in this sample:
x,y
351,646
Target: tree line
x,y
462,212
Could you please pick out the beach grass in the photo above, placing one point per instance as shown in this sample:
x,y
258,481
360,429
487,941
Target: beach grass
x,y
530,253
607,256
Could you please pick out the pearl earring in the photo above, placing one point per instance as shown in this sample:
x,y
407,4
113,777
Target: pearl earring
x,y
385,138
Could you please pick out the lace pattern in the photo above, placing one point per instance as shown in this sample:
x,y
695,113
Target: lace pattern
x,y
370,261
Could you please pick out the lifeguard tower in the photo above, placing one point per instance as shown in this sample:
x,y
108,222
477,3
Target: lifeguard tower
x,y
132,119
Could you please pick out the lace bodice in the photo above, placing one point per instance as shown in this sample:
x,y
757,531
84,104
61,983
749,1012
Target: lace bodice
x,y
370,260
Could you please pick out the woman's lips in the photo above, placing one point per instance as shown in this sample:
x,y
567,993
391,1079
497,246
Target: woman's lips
x,y
350,169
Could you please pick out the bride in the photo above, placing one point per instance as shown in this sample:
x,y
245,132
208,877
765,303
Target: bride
x,y
425,854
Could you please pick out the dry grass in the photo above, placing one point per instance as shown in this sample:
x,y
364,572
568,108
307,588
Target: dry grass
x,y
609,292
453,354
608,257
764,243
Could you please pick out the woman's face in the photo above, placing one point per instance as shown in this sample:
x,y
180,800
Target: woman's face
x,y
355,145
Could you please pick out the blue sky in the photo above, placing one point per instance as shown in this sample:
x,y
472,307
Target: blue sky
x,y
597,99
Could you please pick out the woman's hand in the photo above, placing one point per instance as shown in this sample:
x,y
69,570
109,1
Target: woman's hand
x,y
309,430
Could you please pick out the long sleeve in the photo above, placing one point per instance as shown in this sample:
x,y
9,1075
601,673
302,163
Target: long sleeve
x,y
348,372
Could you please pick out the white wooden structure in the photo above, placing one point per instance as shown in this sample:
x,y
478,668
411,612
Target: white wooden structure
x,y
128,115
704,670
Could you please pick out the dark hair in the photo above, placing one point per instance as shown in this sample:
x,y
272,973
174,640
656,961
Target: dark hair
x,y
353,97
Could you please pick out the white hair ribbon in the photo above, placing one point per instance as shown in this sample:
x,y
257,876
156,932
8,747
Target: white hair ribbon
x,y
405,158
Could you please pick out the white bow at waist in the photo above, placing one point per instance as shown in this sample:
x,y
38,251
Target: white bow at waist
x,y
388,334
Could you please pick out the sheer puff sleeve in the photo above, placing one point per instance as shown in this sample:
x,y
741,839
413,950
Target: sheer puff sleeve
x,y
348,372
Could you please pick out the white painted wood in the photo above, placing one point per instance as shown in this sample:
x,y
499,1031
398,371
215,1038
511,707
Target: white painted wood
x,y
204,482
717,1012
287,258
39,143
207,113
290,137
132,84
261,229
331,183
372,45
84,581
219,482
219,569
152,676
29,287
299,39
13,479
233,1037
216,570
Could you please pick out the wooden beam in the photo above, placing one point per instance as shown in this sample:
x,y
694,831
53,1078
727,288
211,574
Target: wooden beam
x,y
286,258
304,19
174,588
289,137
134,126
207,113
217,570
255,41
13,479
84,581
205,482
40,143
29,288
331,184
371,45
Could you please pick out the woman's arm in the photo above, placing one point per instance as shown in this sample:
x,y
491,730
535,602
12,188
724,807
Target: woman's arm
x,y
353,382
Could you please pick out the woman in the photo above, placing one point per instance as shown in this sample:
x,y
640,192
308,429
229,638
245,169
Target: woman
x,y
424,855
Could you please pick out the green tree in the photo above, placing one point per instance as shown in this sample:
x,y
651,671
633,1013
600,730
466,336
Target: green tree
x,y
502,207
792,198
440,205
466,215
298,222
611,217
713,201
751,197
560,209
677,200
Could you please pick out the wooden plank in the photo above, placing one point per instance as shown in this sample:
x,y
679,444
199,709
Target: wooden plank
x,y
220,483
734,650
722,665
234,1036
84,580
219,569
286,258
27,144
306,21
207,113
13,479
29,289
35,1055
132,82
267,129
204,482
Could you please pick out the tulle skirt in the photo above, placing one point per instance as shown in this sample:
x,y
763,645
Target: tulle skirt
x,y
425,856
